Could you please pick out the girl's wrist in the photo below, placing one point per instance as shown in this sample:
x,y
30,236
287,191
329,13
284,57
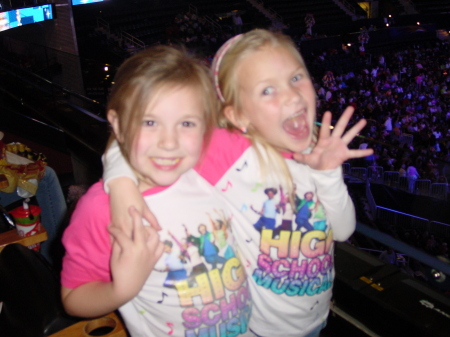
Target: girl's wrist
x,y
329,171
122,294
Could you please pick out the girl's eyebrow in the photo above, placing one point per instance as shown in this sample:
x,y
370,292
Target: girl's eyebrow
x,y
194,117
148,115
264,81
300,67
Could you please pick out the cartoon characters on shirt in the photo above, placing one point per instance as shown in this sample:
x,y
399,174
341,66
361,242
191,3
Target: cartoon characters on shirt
x,y
197,253
307,214
295,245
208,278
268,212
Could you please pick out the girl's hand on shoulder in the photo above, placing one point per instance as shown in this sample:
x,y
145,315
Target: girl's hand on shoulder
x,y
133,258
331,149
123,195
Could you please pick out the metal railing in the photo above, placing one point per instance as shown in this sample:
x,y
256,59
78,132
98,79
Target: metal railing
x,y
103,24
359,172
376,174
214,25
399,219
272,14
130,39
406,139
440,229
124,37
193,9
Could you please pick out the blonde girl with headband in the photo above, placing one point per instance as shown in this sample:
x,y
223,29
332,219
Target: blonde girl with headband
x,y
162,111
267,140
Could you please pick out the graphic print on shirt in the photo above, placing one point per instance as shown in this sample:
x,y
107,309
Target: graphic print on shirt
x,y
295,244
203,271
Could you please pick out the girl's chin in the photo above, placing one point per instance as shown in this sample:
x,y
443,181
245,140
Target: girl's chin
x,y
301,145
296,147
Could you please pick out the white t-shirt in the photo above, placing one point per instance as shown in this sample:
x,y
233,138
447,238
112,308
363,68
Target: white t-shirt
x,y
196,289
290,275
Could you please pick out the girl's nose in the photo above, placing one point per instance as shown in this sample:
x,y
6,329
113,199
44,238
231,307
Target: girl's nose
x,y
168,140
293,95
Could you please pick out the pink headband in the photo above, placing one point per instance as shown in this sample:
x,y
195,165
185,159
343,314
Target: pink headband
x,y
216,63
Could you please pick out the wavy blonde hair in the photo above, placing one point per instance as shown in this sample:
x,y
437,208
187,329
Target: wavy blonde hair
x,y
271,161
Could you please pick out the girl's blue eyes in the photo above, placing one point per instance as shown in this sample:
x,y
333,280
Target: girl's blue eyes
x,y
270,90
184,124
188,124
297,78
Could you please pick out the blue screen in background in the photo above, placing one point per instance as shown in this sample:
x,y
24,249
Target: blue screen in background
x,y
84,2
25,16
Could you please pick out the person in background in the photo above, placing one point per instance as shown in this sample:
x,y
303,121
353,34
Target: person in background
x,y
50,198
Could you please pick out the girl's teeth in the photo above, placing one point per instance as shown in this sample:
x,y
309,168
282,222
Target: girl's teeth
x,y
294,125
165,161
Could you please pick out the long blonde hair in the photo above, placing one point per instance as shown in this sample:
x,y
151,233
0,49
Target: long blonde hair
x,y
226,80
145,75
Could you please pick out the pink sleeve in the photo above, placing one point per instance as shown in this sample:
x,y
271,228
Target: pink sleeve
x,y
223,151
87,241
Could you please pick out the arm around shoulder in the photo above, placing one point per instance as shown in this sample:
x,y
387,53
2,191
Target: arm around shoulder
x,y
121,183
115,166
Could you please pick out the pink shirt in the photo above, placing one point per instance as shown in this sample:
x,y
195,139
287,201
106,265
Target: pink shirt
x,y
198,285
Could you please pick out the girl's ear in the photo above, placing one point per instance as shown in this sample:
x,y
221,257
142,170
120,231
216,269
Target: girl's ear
x,y
114,121
238,120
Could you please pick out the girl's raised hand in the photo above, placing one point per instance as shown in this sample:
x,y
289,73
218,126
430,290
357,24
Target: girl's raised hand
x,y
331,149
133,258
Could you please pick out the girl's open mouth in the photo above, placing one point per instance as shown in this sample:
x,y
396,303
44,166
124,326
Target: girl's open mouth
x,y
297,125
